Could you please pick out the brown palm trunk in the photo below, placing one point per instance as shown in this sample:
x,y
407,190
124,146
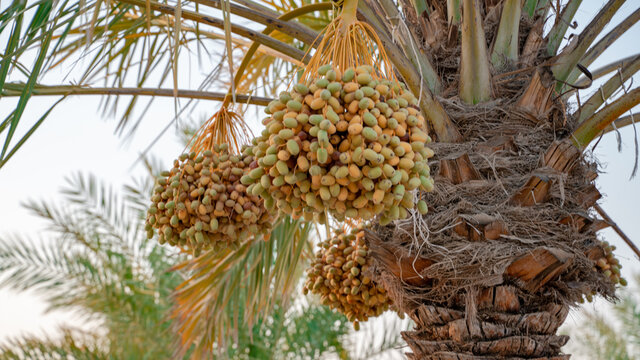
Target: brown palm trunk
x,y
509,244
493,276
500,327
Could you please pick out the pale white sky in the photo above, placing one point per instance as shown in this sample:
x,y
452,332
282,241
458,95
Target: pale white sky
x,y
76,137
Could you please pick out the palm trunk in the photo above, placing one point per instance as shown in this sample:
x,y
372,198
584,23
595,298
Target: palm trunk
x,y
500,328
509,244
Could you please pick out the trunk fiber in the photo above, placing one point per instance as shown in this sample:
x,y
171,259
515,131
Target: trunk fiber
x,y
509,243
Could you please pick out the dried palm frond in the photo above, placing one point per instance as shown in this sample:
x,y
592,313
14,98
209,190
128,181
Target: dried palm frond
x,y
230,288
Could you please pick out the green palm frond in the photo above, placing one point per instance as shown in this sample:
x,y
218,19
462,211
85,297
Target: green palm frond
x,y
233,286
136,194
95,261
628,312
136,42
603,342
94,216
98,260
267,71
68,347
120,44
28,265
301,332
315,331
75,260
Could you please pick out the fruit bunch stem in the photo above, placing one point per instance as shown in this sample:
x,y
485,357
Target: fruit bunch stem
x,y
349,11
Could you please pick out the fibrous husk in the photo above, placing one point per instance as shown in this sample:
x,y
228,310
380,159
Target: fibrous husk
x,y
505,147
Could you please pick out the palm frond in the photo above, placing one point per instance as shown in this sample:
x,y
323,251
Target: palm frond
x,y
569,57
95,261
136,194
267,68
95,216
594,125
604,342
93,234
607,90
604,43
621,122
45,21
475,83
561,24
130,44
306,331
410,47
15,89
315,331
68,347
611,332
28,265
628,312
231,286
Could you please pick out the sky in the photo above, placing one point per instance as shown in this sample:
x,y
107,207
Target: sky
x,y
76,137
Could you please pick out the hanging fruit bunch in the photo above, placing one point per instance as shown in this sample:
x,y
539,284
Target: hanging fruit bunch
x,y
339,275
201,203
347,139
609,266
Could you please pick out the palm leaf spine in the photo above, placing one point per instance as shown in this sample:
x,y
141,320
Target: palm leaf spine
x,y
593,126
608,89
505,48
567,60
475,76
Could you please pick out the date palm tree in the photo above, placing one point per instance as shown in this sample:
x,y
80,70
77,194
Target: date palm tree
x,y
509,242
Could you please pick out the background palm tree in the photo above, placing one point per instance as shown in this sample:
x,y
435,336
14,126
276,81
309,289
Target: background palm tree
x,y
97,263
492,80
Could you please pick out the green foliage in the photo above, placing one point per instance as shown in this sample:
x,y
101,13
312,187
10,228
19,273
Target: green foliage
x,y
123,44
233,287
96,262
305,333
617,337
66,348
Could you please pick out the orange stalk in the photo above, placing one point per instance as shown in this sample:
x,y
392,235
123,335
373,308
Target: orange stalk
x,y
224,127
